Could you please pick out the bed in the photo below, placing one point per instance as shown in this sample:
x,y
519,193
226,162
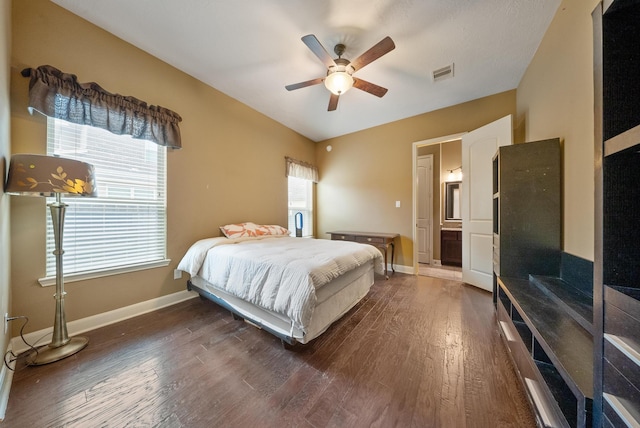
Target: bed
x,y
294,288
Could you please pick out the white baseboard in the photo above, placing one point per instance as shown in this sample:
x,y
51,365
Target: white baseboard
x,y
401,269
43,337
6,377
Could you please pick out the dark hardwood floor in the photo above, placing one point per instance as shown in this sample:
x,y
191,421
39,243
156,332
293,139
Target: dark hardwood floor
x,y
416,352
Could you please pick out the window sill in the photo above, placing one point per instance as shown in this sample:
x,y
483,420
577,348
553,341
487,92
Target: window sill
x,y
74,277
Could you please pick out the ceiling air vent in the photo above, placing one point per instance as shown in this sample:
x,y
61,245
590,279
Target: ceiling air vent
x,y
443,73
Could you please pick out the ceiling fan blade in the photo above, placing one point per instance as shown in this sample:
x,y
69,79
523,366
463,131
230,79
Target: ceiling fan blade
x,y
333,102
312,43
369,87
304,84
383,47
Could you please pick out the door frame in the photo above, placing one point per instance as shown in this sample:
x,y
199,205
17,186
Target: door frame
x,y
414,148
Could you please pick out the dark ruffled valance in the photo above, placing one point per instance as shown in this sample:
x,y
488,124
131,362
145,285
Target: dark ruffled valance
x,y
59,95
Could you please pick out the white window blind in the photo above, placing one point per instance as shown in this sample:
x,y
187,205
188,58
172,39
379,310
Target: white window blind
x,y
124,228
301,201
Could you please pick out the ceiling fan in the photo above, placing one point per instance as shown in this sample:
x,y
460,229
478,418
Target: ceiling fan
x,y
339,78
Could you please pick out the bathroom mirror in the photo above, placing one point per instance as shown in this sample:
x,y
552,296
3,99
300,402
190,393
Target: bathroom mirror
x,y
452,201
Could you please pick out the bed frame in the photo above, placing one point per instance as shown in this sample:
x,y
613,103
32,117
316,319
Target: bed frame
x,y
237,315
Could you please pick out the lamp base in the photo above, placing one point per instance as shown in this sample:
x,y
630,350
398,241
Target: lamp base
x,y
48,354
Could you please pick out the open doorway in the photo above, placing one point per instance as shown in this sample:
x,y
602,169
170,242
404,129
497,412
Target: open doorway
x,y
437,245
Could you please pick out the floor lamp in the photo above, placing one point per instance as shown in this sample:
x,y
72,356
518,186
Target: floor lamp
x,y
40,175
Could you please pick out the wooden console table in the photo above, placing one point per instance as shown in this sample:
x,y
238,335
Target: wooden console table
x,y
381,240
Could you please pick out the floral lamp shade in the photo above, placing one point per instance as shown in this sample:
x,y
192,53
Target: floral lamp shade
x,y
41,175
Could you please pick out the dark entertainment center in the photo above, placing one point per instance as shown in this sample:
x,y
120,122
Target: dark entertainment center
x,y
572,326
617,251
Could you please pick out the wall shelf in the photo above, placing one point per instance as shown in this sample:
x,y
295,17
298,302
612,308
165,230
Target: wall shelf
x,y
622,141
617,213
559,346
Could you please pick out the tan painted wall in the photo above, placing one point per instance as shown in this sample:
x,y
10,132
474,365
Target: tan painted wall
x,y
367,171
5,148
555,99
231,167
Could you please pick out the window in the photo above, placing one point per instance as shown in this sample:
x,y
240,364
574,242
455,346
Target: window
x,y
124,228
301,201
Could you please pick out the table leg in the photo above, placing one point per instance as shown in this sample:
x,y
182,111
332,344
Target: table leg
x,y
386,273
393,251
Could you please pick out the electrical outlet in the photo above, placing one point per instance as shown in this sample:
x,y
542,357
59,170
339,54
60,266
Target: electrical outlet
x,y
177,274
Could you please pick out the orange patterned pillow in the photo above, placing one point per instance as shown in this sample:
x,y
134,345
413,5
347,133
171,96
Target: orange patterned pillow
x,y
274,229
249,229
240,230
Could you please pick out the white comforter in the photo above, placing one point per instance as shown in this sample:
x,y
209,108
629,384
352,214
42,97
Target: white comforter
x,y
280,274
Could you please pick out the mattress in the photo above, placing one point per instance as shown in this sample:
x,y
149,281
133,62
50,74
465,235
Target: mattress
x,y
334,299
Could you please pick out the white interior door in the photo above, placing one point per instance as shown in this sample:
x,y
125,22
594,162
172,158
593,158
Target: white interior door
x,y
424,223
478,148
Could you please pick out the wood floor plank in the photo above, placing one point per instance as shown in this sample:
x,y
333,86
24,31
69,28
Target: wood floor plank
x,y
355,357
415,351
375,375
436,312
409,362
483,354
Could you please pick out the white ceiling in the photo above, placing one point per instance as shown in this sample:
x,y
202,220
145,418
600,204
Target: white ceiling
x,y
251,49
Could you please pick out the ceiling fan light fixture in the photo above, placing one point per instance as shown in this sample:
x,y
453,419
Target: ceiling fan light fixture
x,y
338,82
339,79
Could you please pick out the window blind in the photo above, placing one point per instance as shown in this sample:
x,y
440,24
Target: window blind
x,y
125,226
